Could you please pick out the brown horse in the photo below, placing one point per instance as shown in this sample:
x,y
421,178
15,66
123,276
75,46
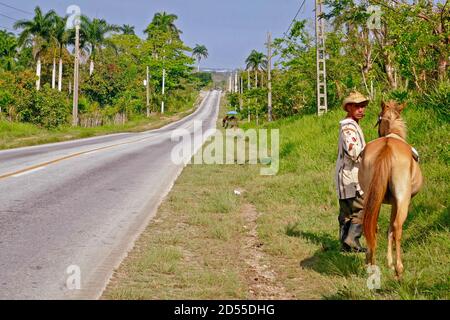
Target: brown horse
x,y
388,174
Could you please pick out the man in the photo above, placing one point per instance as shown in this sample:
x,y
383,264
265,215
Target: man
x,y
351,145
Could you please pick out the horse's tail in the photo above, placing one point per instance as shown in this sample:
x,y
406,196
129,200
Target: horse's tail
x,y
375,194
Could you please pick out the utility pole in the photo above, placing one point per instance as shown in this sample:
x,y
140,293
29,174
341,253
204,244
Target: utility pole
x,y
147,84
163,90
322,105
76,76
241,91
269,76
242,84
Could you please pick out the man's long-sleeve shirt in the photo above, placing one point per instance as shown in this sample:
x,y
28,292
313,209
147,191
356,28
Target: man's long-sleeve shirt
x,y
351,145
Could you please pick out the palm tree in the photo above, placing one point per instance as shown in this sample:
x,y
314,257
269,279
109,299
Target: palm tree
x,y
8,50
60,37
199,52
127,29
256,61
163,22
36,32
94,35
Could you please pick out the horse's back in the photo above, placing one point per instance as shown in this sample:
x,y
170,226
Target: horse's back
x,y
405,174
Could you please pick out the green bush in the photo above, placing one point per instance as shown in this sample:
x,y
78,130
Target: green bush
x,y
233,99
203,79
6,99
14,87
438,99
47,108
130,103
84,105
399,95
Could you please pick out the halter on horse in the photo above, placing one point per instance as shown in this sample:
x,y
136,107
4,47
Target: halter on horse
x,y
388,174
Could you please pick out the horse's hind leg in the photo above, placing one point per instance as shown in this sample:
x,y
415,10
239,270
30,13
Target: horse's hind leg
x,y
402,213
391,237
370,256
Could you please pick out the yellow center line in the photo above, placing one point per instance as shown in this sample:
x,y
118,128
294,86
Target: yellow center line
x,y
44,164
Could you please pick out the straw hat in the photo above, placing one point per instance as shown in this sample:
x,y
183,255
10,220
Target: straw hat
x,y
354,97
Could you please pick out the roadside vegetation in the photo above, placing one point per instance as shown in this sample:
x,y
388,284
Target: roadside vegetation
x,y
20,134
36,77
405,56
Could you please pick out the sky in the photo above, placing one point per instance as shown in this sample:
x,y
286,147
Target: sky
x,y
230,29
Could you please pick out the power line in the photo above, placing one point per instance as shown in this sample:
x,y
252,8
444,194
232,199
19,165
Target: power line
x,y
11,7
6,16
295,18
290,26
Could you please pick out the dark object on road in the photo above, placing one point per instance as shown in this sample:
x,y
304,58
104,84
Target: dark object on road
x,y
230,121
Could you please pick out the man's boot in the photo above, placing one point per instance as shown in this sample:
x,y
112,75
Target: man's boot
x,y
343,230
352,239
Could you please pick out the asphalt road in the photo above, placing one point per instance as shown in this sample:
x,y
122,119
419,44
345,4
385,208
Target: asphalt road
x,y
82,203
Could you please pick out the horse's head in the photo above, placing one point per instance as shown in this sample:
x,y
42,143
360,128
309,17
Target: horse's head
x,y
389,119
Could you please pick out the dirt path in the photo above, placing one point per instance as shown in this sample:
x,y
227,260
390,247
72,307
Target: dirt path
x,y
262,280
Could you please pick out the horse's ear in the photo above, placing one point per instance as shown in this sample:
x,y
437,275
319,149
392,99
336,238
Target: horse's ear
x,y
401,106
383,105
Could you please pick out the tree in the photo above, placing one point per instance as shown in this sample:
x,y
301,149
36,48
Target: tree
x,y
199,52
438,19
256,61
163,22
60,37
94,35
120,59
411,44
127,30
37,32
169,55
8,50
